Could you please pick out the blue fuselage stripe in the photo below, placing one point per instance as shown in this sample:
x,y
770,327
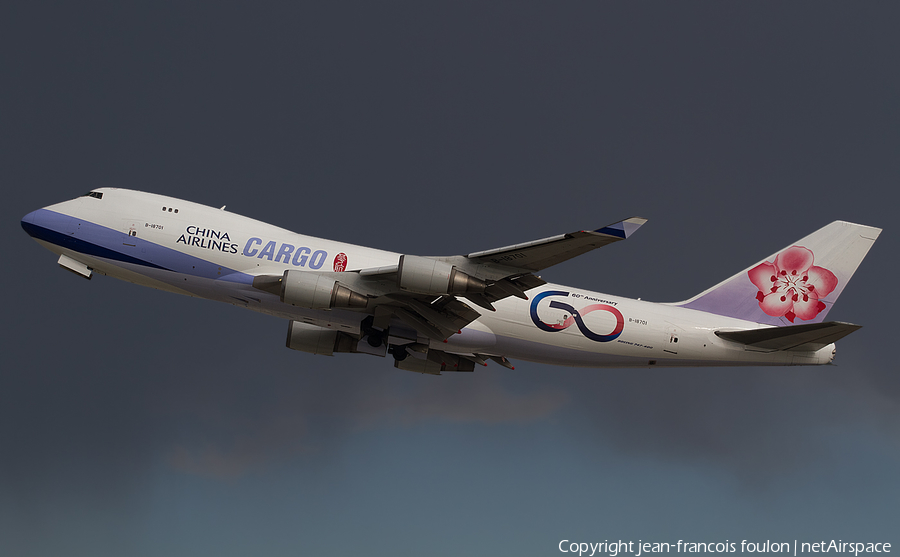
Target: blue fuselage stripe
x,y
75,244
100,241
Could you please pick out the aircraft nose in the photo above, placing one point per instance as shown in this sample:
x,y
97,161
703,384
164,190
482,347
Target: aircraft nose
x,y
29,221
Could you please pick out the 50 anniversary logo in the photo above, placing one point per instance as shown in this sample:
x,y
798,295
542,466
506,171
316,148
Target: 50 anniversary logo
x,y
576,316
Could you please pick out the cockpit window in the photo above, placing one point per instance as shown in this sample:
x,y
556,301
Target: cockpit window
x,y
95,194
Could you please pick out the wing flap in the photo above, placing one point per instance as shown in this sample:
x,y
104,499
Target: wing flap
x,y
434,362
808,337
438,319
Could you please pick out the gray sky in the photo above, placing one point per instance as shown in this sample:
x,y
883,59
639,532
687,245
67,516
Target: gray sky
x,y
136,422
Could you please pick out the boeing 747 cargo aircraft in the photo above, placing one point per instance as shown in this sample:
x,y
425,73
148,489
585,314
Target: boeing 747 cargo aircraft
x,y
448,313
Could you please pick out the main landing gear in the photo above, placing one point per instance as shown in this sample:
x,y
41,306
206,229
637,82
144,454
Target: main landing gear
x,y
374,337
398,352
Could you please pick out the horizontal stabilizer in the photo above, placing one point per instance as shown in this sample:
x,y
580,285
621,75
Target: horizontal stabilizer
x,y
809,337
540,254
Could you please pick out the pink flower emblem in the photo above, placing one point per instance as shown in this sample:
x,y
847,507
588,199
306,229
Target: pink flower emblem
x,y
792,286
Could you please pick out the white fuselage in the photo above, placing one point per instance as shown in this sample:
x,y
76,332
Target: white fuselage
x,y
192,249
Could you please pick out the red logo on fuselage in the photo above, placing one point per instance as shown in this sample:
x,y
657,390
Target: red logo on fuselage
x,y
340,262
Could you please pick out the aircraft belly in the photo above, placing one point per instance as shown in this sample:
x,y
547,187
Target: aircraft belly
x,y
476,338
222,290
521,349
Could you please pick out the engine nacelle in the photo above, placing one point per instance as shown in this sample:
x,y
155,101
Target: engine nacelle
x,y
318,340
427,276
310,338
314,291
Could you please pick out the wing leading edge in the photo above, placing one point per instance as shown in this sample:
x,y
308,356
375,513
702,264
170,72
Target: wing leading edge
x,y
540,254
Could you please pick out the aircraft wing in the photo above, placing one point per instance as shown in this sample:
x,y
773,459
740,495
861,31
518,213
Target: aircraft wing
x,y
811,336
540,254
499,273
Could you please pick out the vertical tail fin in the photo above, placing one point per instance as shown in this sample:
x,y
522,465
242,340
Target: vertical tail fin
x,y
798,284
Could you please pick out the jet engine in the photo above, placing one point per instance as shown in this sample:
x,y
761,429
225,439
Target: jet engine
x,y
318,340
314,291
422,275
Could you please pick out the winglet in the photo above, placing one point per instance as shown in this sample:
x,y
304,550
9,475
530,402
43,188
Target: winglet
x,y
624,228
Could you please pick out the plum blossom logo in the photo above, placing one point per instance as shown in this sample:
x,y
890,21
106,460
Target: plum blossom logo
x,y
792,286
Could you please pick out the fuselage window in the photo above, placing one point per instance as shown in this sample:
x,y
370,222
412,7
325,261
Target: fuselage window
x,y
94,194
